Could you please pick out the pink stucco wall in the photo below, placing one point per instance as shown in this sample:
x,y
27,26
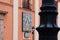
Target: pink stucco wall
x,y
20,33
7,5
8,19
6,1
20,10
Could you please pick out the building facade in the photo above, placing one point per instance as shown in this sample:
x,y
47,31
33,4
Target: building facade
x,y
6,20
26,19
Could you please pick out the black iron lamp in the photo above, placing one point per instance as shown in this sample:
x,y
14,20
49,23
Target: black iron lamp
x,y
48,28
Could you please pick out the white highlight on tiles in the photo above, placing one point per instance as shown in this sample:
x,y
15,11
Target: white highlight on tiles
x,y
36,18
15,19
59,19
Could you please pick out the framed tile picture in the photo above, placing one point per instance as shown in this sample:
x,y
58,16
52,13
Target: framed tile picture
x,y
26,22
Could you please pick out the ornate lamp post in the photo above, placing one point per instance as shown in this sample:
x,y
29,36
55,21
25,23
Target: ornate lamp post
x,y
48,28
